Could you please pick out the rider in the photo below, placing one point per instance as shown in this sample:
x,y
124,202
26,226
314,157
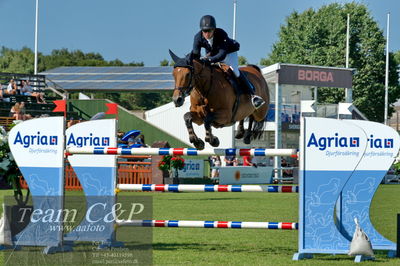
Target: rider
x,y
221,48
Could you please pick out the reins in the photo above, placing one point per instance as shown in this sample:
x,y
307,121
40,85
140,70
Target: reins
x,y
186,90
205,92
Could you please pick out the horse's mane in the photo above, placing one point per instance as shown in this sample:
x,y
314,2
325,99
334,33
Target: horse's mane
x,y
256,67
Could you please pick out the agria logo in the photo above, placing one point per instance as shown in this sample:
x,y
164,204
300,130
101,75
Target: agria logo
x,y
88,141
347,142
327,142
379,143
38,139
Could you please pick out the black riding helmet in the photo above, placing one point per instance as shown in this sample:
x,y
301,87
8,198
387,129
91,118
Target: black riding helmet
x,y
207,22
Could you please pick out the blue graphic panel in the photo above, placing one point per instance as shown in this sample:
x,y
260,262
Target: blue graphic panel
x,y
96,181
46,186
98,184
322,190
356,200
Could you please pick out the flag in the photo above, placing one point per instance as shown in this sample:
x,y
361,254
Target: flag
x,y
112,108
60,106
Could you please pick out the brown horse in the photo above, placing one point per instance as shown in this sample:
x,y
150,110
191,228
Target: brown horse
x,y
214,100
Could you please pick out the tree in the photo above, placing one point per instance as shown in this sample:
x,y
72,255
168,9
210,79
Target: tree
x,y
242,61
14,61
22,61
318,37
397,59
266,62
164,62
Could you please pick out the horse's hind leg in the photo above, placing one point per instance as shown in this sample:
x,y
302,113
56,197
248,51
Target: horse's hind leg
x,y
198,143
210,138
240,130
248,133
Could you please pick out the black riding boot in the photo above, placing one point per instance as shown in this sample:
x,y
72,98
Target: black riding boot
x,y
257,101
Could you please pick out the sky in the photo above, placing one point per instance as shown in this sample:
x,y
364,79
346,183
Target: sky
x,y
143,31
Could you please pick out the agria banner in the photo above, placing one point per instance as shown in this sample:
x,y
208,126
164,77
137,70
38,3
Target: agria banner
x,y
97,175
38,148
341,165
382,147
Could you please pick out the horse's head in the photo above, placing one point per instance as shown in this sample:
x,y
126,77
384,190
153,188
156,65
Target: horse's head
x,y
183,76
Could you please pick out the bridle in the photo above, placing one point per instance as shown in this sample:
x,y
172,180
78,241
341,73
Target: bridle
x,y
186,90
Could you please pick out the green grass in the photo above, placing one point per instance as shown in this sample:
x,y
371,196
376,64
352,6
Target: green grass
x,y
197,246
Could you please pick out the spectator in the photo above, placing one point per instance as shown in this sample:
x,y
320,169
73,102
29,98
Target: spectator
x,y
25,116
136,141
15,112
286,172
140,141
230,161
215,163
247,161
26,88
72,122
131,142
38,93
11,89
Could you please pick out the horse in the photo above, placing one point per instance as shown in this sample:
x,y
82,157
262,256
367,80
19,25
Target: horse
x,y
215,99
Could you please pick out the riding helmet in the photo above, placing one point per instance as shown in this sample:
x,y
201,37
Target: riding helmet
x,y
207,22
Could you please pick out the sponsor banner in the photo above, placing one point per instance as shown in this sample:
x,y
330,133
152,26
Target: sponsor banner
x,y
382,147
38,142
38,148
96,133
193,169
383,144
96,173
333,144
316,76
239,175
290,115
331,150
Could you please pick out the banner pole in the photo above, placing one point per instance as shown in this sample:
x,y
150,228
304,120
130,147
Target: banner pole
x,y
398,236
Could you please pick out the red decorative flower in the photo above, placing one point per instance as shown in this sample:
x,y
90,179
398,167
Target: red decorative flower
x,y
169,162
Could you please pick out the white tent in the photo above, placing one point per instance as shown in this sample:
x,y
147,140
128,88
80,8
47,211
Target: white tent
x,y
170,118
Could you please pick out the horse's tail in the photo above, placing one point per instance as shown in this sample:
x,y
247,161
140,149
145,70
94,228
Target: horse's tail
x,y
257,129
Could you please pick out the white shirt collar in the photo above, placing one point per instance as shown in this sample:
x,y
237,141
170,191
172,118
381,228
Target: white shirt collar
x,y
210,41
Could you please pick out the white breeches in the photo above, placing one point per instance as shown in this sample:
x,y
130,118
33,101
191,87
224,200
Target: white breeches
x,y
233,61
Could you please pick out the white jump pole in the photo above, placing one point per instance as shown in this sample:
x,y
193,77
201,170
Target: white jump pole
x,y
181,151
208,224
207,188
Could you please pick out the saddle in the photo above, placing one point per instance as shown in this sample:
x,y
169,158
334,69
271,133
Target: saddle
x,y
230,76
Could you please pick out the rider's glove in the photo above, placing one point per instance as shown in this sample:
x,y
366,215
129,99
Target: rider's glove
x,y
205,60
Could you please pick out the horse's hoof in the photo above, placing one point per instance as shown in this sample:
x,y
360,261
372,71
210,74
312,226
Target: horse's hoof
x,y
247,139
214,142
199,144
193,139
239,135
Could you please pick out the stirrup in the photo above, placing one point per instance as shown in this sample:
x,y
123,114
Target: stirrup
x,y
257,101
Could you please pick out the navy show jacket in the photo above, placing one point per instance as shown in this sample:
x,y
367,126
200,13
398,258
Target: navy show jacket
x,y
222,45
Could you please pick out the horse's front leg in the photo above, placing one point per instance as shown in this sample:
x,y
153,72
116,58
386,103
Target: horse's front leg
x,y
197,142
240,130
248,133
210,138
